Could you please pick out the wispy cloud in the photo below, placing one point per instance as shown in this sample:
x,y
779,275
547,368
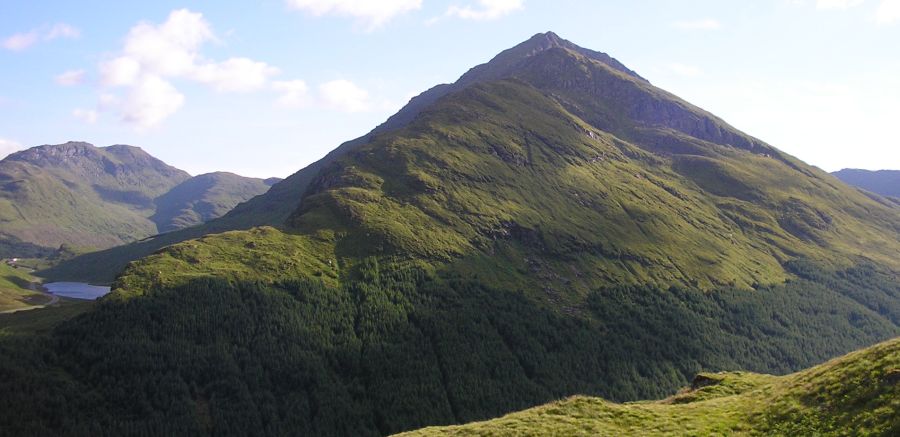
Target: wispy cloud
x,y
294,93
344,95
372,13
837,4
21,41
485,10
701,24
71,77
88,116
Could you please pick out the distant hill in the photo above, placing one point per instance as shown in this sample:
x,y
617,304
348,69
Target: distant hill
x,y
205,197
884,182
856,393
99,197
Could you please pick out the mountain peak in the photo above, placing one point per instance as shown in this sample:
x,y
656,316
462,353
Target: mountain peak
x,y
507,61
545,40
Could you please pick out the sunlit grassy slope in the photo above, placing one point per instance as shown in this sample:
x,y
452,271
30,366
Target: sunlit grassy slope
x,y
501,181
570,165
857,394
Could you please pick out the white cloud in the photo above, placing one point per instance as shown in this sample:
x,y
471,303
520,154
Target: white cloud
x,y
294,93
837,4
21,41
486,9
9,146
888,12
150,101
235,75
170,49
71,77
371,12
344,95
684,69
121,71
703,24
86,115
152,56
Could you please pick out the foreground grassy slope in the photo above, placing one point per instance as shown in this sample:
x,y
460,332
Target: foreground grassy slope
x,y
857,394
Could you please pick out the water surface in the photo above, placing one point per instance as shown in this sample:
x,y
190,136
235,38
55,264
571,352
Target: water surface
x,y
76,290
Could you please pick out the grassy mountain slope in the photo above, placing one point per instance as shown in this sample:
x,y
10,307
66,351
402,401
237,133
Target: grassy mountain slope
x,y
855,394
204,197
78,194
883,182
751,201
500,179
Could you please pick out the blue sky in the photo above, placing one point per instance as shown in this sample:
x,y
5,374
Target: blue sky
x,y
264,87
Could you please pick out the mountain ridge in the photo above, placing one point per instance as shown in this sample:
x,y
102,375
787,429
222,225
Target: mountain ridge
x,y
85,196
883,182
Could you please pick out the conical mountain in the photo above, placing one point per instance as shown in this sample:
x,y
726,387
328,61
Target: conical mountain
x,y
757,202
552,224
563,157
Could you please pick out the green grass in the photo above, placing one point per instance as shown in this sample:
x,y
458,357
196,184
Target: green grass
x,y
856,394
15,291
